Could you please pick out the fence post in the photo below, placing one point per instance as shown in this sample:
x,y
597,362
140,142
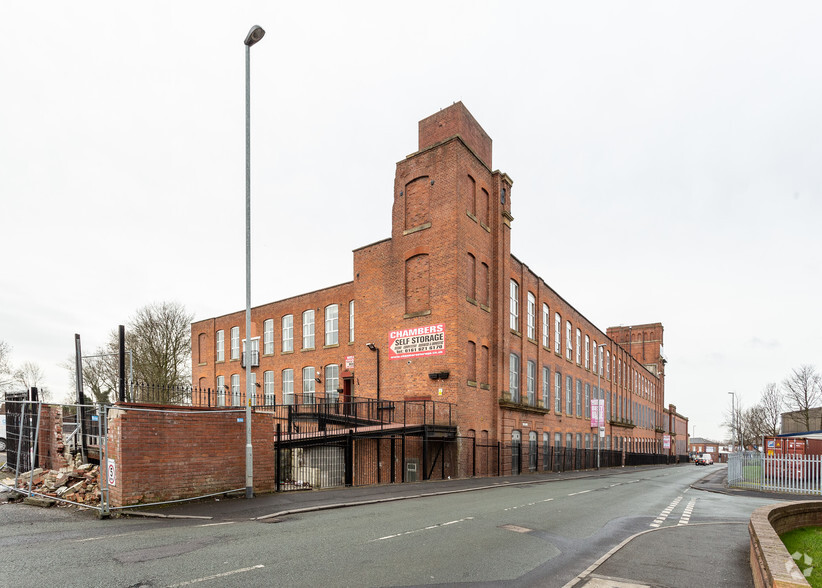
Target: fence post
x,y
424,452
19,443
102,471
349,458
393,459
474,457
402,469
277,462
34,446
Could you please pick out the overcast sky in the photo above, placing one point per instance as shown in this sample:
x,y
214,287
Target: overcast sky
x,y
665,155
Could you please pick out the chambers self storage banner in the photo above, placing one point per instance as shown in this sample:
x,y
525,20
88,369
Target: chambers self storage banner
x,y
417,342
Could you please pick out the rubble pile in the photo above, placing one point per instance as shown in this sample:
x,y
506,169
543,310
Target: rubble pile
x,y
76,483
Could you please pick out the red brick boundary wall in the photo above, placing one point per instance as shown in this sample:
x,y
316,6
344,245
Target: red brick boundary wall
x,y
771,563
163,453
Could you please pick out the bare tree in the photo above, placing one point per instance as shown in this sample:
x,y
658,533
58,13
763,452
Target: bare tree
x,y
803,391
772,404
159,339
6,371
30,375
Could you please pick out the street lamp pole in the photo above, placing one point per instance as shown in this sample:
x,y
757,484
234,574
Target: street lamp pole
x,y
255,34
601,395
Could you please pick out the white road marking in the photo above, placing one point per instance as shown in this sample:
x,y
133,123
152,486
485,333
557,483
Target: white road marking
x,y
686,515
664,514
104,537
423,529
582,492
524,505
217,524
215,576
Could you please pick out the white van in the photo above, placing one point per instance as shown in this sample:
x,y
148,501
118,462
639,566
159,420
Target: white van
x,y
2,433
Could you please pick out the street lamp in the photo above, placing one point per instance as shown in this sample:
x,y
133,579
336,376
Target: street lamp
x,y
733,420
255,34
373,347
601,395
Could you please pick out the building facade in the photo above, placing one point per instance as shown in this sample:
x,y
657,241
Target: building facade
x,y
442,310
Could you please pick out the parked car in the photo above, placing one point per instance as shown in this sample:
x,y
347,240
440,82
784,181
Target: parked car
x,y
2,433
704,459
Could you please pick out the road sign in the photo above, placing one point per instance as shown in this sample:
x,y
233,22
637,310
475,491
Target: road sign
x,y
597,412
112,472
602,432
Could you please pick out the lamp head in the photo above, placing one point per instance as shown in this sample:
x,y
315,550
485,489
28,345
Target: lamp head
x,y
371,346
255,34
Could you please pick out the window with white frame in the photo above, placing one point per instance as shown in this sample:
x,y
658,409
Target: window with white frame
x,y
532,316
288,333
579,398
235,342
569,395
288,386
546,322
332,317
253,388
220,345
235,389
268,388
308,385
514,306
595,351
569,343
255,351
608,365
579,347
351,321
268,336
569,440
332,382
220,390
308,329
557,333
579,440
587,400
557,440
557,392
546,388
531,382
513,377
587,352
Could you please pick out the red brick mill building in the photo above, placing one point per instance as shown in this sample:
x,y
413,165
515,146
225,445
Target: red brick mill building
x,y
449,315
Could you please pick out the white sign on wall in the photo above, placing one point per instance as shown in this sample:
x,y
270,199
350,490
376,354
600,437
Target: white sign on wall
x,y
416,342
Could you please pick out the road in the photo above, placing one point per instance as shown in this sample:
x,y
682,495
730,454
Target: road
x,y
531,535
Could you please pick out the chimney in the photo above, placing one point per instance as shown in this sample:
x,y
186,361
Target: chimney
x,y
456,121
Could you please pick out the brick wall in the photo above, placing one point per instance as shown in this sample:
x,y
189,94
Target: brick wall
x,y
166,455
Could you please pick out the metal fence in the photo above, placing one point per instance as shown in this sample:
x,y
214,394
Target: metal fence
x,y
795,474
